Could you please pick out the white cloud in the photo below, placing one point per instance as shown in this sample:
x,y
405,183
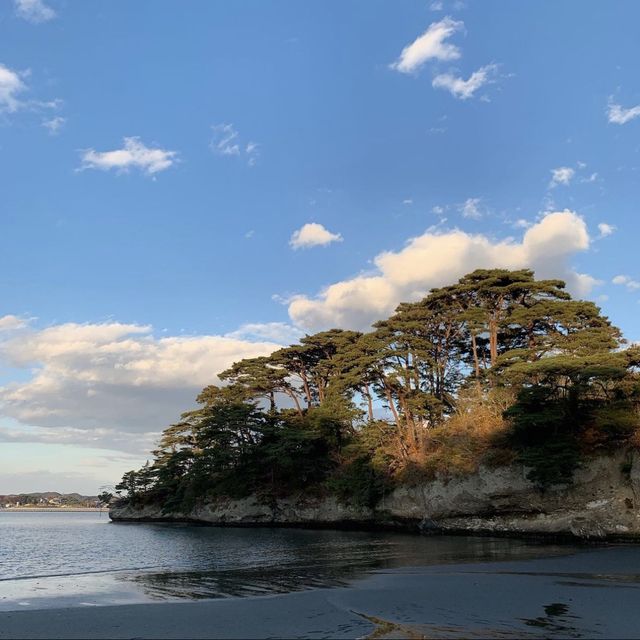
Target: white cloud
x,y
252,150
11,322
95,438
35,11
438,258
12,88
53,125
313,234
407,201
470,208
566,175
430,45
617,114
606,229
626,281
11,85
561,175
436,5
134,154
226,142
465,89
114,385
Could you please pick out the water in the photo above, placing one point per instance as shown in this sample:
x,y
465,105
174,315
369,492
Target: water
x,y
411,586
73,559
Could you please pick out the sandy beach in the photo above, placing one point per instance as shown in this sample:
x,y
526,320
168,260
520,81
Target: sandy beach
x,y
588,594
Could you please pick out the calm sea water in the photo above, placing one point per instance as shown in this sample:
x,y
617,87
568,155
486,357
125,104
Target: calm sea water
x,y
71,559
429,586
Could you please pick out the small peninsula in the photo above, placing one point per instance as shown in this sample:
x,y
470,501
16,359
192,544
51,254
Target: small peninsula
x,y
497,404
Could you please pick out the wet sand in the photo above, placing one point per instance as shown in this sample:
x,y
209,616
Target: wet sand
x,y
593,593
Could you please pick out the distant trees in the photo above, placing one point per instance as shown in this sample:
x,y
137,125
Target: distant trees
x,y
314,412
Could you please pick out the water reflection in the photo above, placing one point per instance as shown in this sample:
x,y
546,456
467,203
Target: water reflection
x,y
556,620
283,561
100,563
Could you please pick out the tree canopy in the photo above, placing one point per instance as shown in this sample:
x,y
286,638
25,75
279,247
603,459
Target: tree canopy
x,y
497,363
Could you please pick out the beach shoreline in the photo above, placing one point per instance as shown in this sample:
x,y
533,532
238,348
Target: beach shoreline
x,y
581,594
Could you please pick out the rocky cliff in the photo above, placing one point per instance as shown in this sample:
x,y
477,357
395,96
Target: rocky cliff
x,y
602,502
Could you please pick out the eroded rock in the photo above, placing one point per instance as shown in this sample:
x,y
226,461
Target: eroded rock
x,y
600,503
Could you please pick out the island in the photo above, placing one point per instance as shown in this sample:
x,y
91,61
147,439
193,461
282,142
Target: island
x,y
496,404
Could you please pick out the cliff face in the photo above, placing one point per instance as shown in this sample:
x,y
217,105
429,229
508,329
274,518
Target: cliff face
x,y
602,502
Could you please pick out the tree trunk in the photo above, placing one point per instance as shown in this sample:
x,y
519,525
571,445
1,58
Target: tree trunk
x,y
392,406
307,390
367,394
476,361
294,397
532,342
493,340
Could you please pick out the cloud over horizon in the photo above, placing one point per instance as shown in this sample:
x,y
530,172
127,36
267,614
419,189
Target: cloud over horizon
x,y
109,384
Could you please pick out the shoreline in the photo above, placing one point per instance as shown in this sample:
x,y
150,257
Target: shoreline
x,y
581,594
408,527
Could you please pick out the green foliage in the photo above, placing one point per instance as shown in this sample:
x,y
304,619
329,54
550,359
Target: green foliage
x,y
361,483
544,434
615,422
295,454
572,406
552,462
365,474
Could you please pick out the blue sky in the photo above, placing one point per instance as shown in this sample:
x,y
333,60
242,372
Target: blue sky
x,y
158,157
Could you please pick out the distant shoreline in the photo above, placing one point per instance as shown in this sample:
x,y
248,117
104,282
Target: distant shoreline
x,y
51,509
